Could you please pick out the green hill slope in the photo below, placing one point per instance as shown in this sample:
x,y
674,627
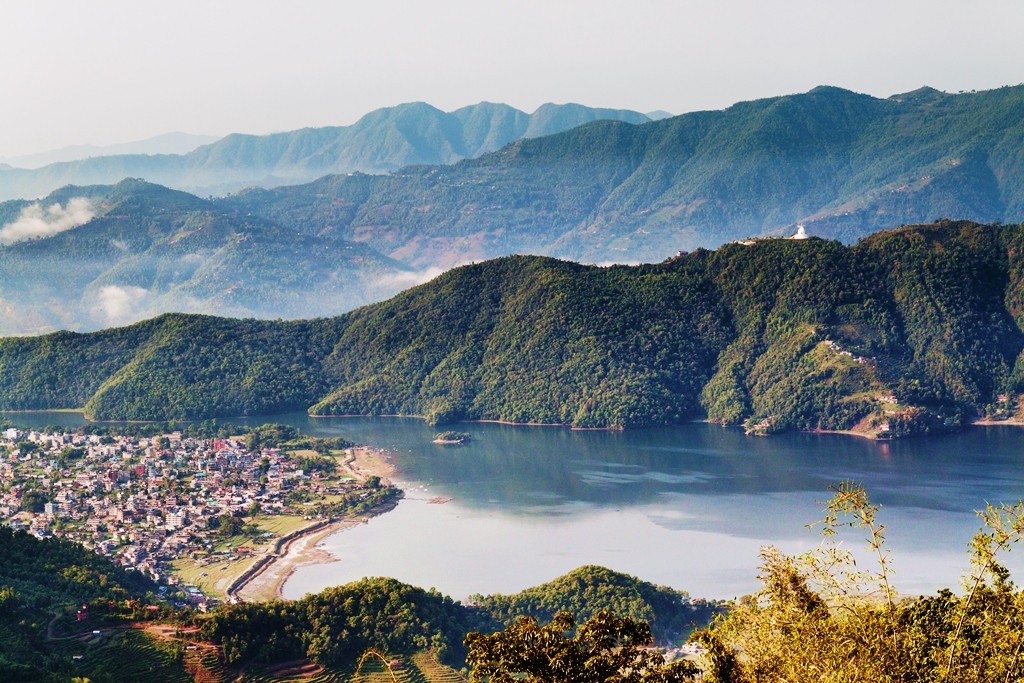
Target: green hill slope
x,y
43,583
40,581
586,591
335,626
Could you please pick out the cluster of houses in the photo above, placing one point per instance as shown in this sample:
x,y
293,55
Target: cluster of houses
x,y
860,360
144,502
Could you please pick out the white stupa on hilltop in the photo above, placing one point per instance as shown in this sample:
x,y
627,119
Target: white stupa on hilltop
x,y
801,234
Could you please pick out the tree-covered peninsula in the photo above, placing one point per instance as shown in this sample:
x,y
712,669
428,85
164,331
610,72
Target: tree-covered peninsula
x,y
913,329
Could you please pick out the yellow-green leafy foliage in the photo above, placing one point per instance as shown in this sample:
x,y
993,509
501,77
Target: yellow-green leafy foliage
x,y
822,617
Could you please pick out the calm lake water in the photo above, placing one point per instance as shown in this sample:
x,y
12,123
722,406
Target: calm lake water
x,y
687,506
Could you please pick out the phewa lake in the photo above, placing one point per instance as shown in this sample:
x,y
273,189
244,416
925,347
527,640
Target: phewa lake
x,y
686,506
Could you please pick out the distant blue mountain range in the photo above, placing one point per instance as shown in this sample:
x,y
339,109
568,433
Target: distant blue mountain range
x,y
381,141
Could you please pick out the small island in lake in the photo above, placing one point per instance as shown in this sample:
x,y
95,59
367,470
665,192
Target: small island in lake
x,y
451,438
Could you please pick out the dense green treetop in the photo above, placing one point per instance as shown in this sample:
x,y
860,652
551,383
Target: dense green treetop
x,y
605,648
334,627
43,574
586,591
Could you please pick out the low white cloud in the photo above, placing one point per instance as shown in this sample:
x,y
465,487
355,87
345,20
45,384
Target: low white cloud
x,y
37,221
117,304
407,279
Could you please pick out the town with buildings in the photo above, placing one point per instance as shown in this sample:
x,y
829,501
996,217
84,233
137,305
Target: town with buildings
x,y
146,502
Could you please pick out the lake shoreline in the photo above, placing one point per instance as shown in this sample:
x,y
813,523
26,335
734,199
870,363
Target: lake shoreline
x,y
871,436
303,547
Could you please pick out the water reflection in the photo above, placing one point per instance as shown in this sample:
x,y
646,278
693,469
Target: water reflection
x,y
688,506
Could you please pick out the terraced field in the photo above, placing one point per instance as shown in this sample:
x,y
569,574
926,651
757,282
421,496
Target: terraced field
x,y
422,667
434,671
126,655
162,654
205,666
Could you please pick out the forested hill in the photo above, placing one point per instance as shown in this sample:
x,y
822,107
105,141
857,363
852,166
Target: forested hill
x,y
39,582
910,329
587,590
844,164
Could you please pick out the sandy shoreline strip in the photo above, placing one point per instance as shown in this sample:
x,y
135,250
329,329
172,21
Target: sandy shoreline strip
x,y
365,462
304,549
1014,421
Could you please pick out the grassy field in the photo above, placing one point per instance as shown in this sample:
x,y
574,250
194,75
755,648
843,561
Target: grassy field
x,y
279,525
212,577
304,453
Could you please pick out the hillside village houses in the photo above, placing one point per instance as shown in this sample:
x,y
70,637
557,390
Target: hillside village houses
x,y
137,502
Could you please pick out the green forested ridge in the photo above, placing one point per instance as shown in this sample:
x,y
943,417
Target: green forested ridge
x,y
42,574
337,625
333,628
171,367
909,330
528,339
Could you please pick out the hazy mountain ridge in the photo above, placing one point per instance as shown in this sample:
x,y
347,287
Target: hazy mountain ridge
x,y
842,163
168,143
151,249
910,330
380,142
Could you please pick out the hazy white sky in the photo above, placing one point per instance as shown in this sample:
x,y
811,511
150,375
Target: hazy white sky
x,y
109,71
